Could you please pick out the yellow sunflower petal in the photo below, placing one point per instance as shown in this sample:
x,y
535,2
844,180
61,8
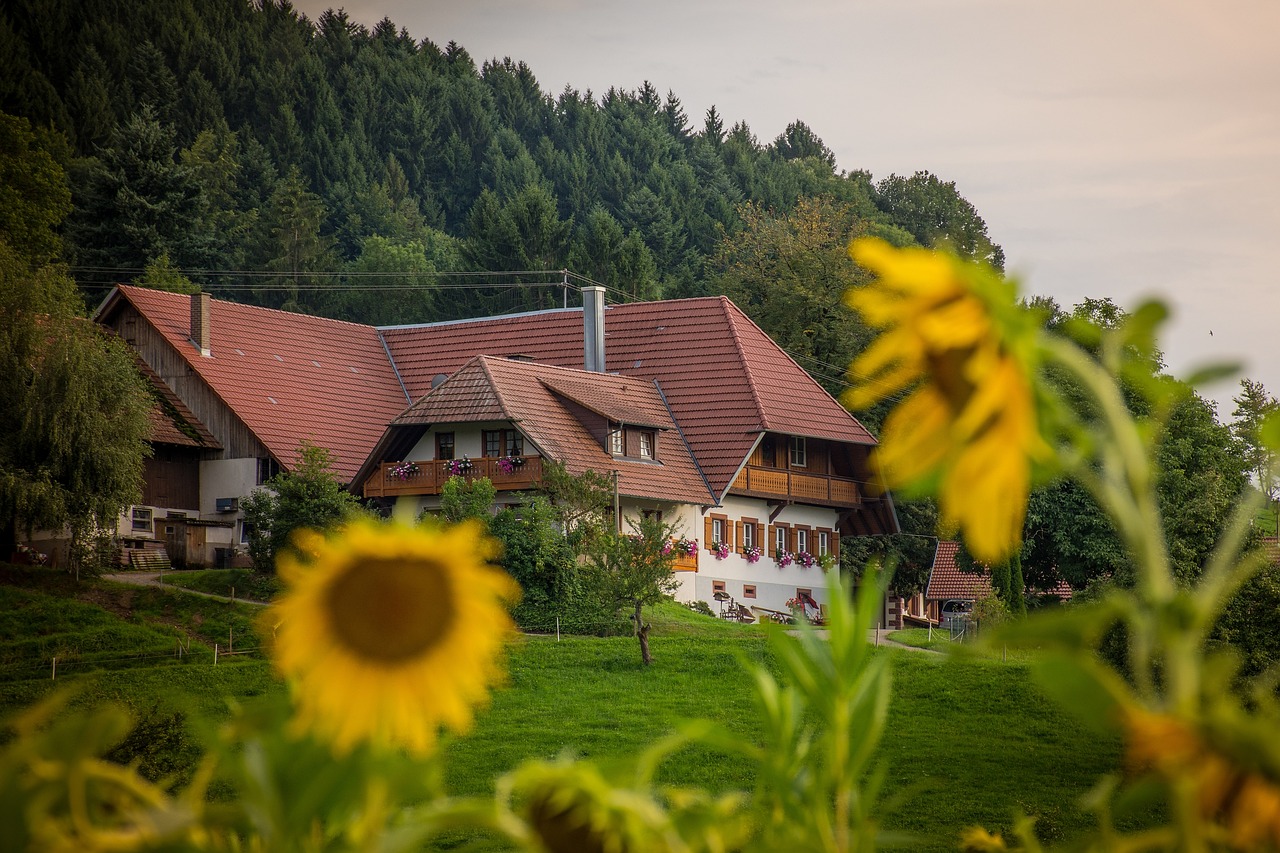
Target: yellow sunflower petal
x,y
390,632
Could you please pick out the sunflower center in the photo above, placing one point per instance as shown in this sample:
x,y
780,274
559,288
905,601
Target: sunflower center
x,y
389,611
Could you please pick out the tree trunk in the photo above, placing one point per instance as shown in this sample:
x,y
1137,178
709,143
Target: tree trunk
x,y
642,634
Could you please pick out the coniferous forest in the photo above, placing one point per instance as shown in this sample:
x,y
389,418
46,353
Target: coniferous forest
x,y
324,167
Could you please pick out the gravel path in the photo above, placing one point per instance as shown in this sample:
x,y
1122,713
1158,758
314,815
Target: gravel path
x,y
153,579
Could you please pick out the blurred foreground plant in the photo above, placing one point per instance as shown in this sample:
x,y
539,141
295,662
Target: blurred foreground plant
x,y
985,417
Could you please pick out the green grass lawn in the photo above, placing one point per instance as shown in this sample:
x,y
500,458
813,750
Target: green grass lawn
x,y
232,583
971,740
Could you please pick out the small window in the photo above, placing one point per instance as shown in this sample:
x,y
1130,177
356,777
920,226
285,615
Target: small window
x,y
170,529
717,531
780,539
444,445
824,543
246,531
492,439
646,445
515,443
748,534
141,518
802,539
652,513
267,468
799,457
615,441
748,590
717,586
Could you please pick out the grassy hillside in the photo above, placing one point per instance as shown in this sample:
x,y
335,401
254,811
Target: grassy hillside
x,y
969,741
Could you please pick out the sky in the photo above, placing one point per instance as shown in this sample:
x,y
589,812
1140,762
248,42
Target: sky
x,y
1115,148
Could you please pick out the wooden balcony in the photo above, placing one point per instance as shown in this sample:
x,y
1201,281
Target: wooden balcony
x,y
685,562
431,476
798,486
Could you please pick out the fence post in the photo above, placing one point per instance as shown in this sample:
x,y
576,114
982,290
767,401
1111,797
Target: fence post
x,y
557,628
54,677
215,654
231,643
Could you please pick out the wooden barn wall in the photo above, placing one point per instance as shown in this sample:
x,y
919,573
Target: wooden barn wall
x,y
236,438
171,478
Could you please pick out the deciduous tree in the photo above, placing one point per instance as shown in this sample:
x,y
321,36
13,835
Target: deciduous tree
x,y
632,570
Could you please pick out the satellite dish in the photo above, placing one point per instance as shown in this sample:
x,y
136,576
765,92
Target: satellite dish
x,y
437,379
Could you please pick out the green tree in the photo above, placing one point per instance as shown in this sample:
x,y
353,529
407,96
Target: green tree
x,y
161,274
935,213
291,242
630,571
542,561
73,410
583,503
1254,406
135,202
308,496
462,499
34,194
73,407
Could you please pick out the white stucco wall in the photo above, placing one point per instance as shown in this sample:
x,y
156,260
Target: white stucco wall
x,y
774,584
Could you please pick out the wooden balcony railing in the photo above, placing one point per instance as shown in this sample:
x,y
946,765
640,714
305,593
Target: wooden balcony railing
x,y
685,562
391,479
798,486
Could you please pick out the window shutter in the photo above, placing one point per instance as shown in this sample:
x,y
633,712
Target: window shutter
x,y
706,533
835,543
768,542
759,533
737,536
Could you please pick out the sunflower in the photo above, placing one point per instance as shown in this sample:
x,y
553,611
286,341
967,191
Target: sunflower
x,y
968,430
387,632
1242,802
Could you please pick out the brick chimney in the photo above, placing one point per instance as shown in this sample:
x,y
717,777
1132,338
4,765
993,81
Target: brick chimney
x,y
200,322
593,328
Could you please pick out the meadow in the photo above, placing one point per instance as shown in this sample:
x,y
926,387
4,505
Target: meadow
x,y
969,741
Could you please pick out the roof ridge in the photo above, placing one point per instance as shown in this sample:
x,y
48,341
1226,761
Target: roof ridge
x,y
297,314
725,304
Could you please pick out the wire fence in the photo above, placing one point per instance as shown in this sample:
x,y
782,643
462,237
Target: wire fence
x,y
185,652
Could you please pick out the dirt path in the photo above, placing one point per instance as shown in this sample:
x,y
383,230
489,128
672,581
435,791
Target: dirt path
x,y
880,637
153,579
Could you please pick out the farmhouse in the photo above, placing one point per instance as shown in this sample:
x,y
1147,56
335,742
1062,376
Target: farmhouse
x,y
702,417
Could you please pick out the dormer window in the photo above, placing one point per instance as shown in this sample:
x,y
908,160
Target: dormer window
x,y
646,445
616,446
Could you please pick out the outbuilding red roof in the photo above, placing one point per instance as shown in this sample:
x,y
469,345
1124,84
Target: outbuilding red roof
x,y
947,581
288,377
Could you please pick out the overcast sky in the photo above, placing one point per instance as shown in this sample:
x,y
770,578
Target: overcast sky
x,y
1121,148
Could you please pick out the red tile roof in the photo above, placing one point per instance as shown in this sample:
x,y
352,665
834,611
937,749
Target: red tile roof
x,y
947,581
292,376
725,380
527,393
287,376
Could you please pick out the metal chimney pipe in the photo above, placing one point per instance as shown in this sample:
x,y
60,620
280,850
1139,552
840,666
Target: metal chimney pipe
x,y
593,328
200,322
